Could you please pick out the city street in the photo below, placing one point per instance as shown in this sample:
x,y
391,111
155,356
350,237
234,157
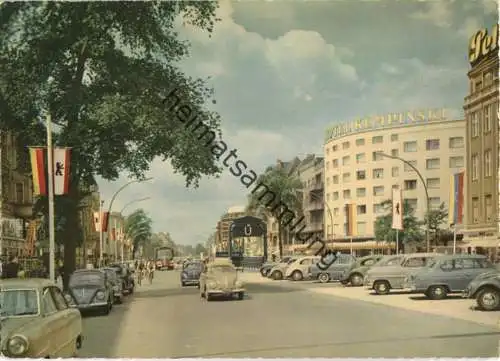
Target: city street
x,y
276,320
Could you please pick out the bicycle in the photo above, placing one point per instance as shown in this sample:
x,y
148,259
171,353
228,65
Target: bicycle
x,y
140,275
150,276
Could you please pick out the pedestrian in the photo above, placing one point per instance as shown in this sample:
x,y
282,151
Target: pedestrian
x,y
12,268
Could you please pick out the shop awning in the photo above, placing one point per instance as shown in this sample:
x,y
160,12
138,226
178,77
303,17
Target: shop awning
x,y
347,245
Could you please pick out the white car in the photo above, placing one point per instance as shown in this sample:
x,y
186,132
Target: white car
x,y
299,270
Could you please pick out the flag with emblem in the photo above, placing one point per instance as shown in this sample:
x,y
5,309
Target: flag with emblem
x,y
61,170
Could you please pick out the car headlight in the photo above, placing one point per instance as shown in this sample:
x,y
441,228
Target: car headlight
x,y
17,345
100,295
238,284
212,284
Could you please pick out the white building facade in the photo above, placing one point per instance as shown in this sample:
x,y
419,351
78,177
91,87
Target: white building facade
x,y
356,172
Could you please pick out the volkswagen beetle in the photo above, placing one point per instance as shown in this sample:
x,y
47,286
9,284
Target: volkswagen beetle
x,y
220,279
90,290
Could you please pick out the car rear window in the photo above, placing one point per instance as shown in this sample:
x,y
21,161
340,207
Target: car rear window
x,y
86,277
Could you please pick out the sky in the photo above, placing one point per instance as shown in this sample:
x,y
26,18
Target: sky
x,y
284,71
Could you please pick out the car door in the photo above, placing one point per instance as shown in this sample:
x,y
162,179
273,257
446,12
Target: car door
x,y
336,270
70,320
54,331
464,272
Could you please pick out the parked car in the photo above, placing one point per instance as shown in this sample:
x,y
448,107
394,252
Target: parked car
x,y
220,278
448,274
116,283
299,269
278,271
335,271
190,274
355,274
36,321
126,274
90,290
485,289
382,279
266,267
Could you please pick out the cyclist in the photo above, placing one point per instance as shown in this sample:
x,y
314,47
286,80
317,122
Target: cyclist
x,y
150,270
140,272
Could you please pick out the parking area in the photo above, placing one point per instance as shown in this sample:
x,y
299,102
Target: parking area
x,y
454,306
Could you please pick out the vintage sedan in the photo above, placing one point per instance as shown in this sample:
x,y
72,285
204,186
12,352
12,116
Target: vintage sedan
x,y
278,271
485,289
191,272
382,279
36,321
116,284
355,275
335,270
90,290
448,274
125,273
299,270
268,266
220,279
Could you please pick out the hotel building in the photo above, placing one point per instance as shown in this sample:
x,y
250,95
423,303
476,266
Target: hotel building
x,y
482,139
356,171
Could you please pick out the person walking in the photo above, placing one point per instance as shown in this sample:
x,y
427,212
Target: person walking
x,y
12,268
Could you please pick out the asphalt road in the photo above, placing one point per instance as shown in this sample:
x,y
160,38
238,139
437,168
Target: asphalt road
x,y
167,321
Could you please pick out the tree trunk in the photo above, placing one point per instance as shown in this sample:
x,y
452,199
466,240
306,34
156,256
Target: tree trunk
x,y
280,240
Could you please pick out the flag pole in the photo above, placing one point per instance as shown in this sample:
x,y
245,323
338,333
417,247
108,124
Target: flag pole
x,y
454,238
115,236
100,235
397,241
50,167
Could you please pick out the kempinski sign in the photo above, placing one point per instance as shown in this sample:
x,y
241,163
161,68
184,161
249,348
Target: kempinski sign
x,y
385,121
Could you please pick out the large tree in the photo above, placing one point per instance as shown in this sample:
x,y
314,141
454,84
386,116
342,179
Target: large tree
x,y
102,71
138,228
287,189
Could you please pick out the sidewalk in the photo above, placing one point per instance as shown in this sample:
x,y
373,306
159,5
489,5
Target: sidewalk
x,y
253,277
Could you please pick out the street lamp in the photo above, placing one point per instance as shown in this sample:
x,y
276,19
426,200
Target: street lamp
x,y
134,201
123,187
427,230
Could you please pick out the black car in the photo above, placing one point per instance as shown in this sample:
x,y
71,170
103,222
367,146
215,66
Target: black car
x,y
90,290
485,289
126,275
190,274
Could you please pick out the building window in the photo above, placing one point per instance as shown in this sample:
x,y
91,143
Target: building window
x,y
345,145
433,183
474,120
335,148
456,142
361,192
360,142
475,210
360,175
376,156
394,137
434,202
346,160
410,184
347,194
408,168
488,78
377,139
395,171
378,191
395,152
432,163
19,193
487,119
456,162
475,167
378,173
327,163
360,158
335,211
335,179
361,209
432,144
378,208
412,203
361,228
410,147
335,163
335,196
488,207
487,163
346,177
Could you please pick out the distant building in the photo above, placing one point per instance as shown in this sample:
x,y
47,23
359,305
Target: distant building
x,y
222,232
88,252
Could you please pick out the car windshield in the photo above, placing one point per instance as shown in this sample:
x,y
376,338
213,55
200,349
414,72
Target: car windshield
x,y
390,261
86,278
291,260
15,303
193,266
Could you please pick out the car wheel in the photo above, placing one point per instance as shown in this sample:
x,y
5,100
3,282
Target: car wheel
x,y
106,310
437,292
277,275
356,280
297,276
324,277
241,295
488,299
183,284
382,287
263,272
209,297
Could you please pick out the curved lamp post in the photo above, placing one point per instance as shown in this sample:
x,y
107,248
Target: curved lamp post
x,y
123,187
134,201
427,231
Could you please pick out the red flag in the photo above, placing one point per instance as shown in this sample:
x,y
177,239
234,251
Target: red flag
x,y
37,156
105,220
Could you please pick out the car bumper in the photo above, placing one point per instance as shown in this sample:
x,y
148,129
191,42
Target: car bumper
x,y
190,282
230,292
90,306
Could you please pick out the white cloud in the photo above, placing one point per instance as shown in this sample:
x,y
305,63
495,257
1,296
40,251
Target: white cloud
x,y
469,27
436,12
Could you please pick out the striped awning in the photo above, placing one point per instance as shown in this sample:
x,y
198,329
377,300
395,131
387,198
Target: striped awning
x,y
347,245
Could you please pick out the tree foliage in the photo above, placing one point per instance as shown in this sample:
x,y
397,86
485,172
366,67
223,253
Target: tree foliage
x,y
102,70
287,188
138,228
411,232
437,221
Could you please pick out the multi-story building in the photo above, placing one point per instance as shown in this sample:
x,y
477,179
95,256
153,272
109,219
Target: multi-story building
x,y
223,226
90,245
16,197
112,247
482,138
357,171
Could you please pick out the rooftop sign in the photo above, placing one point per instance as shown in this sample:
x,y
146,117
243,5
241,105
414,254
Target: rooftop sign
x,y
385,121
481,44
